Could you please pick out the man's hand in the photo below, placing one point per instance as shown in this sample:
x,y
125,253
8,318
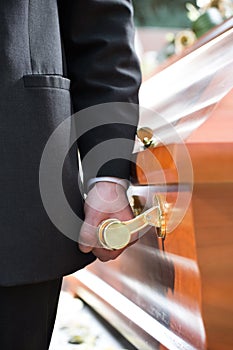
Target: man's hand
x,y
105,200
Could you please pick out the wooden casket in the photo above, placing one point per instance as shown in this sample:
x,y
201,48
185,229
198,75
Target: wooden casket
x,y
177,292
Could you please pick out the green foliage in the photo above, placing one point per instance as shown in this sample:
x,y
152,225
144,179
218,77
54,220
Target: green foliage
x,y
161,13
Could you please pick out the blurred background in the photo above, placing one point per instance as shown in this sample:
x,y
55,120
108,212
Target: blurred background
x,y
161,13
166,27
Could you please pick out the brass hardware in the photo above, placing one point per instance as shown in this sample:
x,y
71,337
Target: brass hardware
x,y
136,205
145,134
116,234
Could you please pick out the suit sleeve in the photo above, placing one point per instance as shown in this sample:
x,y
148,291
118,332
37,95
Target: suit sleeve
x,y
98,40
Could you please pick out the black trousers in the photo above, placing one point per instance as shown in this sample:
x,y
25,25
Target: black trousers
x,y
27,315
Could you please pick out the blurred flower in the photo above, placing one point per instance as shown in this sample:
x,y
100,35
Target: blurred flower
x,y
204,16
193,13
225,7
184,39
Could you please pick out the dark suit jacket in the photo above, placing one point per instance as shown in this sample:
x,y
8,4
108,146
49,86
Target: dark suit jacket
x,y
55,55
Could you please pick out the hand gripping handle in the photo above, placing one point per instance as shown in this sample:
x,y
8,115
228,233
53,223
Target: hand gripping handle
x,y
115,234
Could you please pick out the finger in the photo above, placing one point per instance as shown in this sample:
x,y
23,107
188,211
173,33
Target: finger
x,y
88,237
105,254
85,248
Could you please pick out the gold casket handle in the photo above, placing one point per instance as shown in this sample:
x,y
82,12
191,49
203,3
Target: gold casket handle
x,y
115,234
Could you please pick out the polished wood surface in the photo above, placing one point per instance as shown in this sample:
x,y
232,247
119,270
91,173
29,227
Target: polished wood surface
x,y
178,293
211,151
210,148
213,223
212,201
192,278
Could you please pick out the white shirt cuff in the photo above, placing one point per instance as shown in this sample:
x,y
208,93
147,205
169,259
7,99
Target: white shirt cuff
x,y
124,183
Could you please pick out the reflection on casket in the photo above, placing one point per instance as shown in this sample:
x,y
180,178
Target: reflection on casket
x,y
177,294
